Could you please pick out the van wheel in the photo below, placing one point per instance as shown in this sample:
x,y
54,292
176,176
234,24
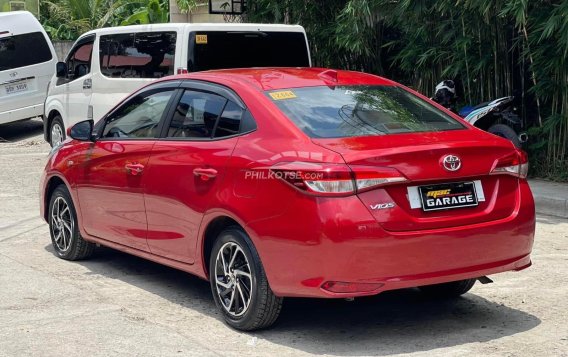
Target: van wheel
x,y
63,228
239,284
448,290
506,132
56,131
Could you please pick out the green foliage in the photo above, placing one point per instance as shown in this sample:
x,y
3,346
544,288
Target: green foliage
x,y
67,19
490,48
186,6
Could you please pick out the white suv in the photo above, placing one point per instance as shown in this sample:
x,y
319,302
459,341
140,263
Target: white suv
x,y
27,63
106,65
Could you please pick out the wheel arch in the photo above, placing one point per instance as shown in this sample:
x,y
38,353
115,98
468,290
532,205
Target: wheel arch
x,y
52,114
214,227
53,182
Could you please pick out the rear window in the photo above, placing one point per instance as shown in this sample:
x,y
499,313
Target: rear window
x,y
138,55
217,50
23,50
347,111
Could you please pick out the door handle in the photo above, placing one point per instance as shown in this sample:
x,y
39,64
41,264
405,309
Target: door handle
x,y
87,83
134,169
205,174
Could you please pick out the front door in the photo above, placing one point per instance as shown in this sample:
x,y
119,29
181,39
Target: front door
x,y
186,171
110,182
77,86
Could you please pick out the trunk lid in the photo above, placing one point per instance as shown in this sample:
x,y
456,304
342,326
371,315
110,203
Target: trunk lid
x,y
419,157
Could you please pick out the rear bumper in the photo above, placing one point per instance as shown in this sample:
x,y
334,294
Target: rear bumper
x,y
342,242
21,113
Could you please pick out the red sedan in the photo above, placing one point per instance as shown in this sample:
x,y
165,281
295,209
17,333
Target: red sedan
x,y
292,182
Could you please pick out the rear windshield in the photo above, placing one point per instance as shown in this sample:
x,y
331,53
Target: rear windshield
x,y
347,111
218,49
23,50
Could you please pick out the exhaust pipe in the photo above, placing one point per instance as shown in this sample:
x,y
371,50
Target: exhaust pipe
x,y
523,137
484,280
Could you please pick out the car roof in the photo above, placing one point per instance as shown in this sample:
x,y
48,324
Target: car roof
x,y
294,77
197,27
19,22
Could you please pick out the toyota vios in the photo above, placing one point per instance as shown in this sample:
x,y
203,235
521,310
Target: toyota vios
x,y
292,182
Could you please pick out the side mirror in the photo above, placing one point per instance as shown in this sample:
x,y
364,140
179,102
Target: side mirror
x,y
82,131
61,70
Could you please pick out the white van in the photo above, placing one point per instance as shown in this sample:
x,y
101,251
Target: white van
x,y
106,65
27,64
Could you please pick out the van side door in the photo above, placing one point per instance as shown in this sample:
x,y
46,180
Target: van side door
x,y
76,88
127,61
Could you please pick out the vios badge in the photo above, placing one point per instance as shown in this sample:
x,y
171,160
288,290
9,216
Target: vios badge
x,y
451,162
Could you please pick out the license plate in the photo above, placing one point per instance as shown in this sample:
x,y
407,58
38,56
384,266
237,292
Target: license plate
x,y
448,195
16,87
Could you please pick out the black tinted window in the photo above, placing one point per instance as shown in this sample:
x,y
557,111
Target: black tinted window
x,y
217,49
138,55
139,117
229,121
195,115
79,61
329,112
23,50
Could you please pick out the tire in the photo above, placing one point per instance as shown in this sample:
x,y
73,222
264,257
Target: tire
x,y
63,227
448,290
56,131
263,306
506,132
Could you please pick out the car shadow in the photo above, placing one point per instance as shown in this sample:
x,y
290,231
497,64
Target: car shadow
x,y
20,130
402,321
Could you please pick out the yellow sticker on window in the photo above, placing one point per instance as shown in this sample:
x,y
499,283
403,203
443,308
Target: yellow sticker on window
x,y
201,39
286,94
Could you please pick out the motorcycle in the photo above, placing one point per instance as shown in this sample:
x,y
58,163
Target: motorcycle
x,y
496,117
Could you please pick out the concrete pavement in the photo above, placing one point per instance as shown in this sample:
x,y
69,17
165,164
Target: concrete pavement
x,y
551,198
119,305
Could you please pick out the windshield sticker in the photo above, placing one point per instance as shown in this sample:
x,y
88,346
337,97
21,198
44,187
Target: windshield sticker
x,y
286,94
201,39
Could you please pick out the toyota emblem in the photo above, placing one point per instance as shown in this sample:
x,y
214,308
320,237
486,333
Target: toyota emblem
x,y
451,162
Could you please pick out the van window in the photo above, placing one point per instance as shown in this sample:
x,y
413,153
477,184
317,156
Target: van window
x,y
79,61
23,50
138,55
221,49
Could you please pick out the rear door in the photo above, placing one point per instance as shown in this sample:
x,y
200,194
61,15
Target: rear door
x,y
187,168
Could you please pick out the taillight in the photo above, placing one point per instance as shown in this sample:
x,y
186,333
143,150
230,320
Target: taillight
x,y
516,164
334,179
182,70
369,177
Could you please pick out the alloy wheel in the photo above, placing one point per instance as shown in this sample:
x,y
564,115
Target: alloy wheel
x,y
62,224
233,279
56,134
